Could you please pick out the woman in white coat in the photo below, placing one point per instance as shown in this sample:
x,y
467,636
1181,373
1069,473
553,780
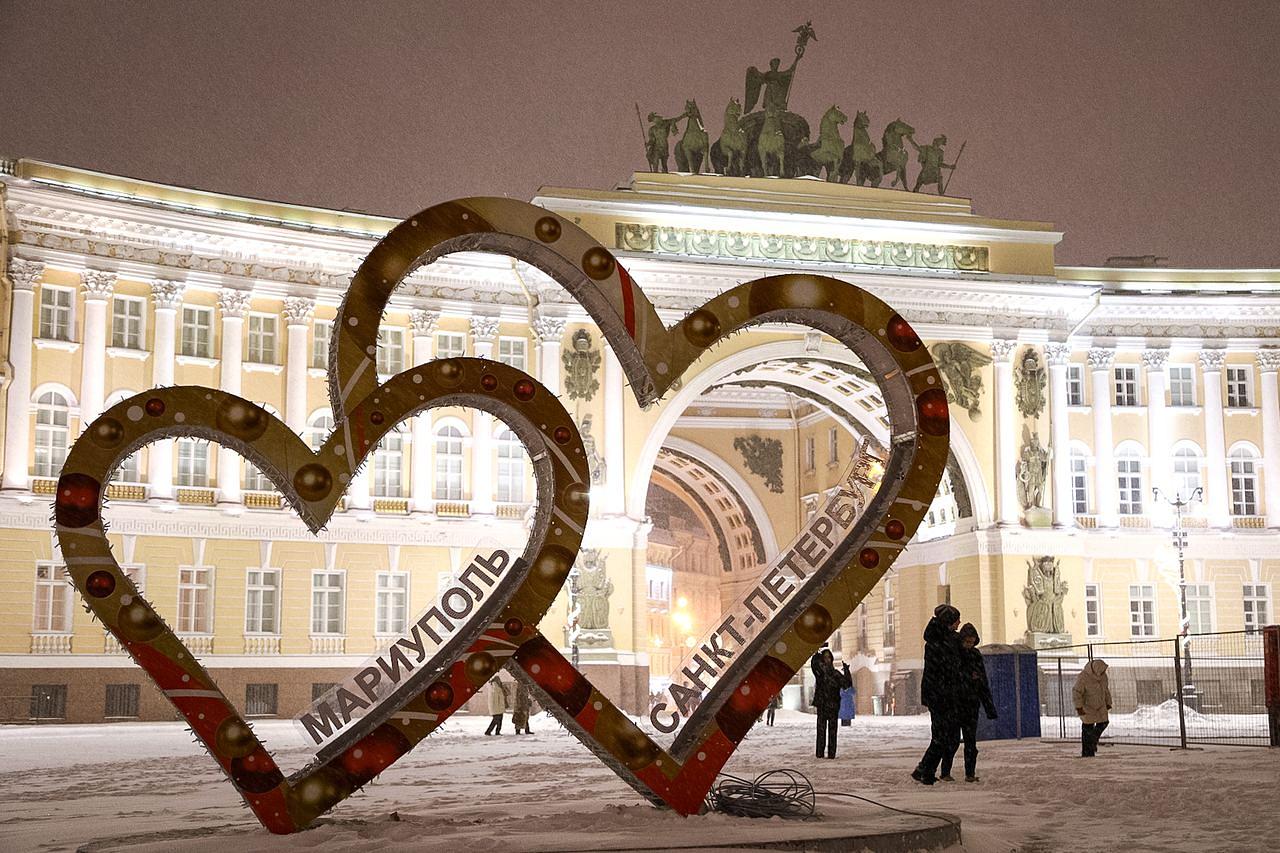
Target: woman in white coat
x,y
1092,697
496,696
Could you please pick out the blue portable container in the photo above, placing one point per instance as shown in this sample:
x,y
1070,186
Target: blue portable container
x,y
1014,674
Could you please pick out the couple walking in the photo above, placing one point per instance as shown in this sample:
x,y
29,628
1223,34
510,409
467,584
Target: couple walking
x,y
499,699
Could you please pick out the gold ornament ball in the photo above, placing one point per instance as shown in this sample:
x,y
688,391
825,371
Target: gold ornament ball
x,y
576,497
313,482
138,622
479,667
107,433
814,625
549,569
615,731
598,263
241,419
448,372
234,738
702,328
547,229
322,790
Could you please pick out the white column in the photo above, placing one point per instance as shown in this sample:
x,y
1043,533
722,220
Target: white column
x,y
167,298
1217,492
1058,357
1006,433
297,316
1158,443
1268,364
1104,468
97,286
232,304
550,332
484,331
17,419
615,453
424,326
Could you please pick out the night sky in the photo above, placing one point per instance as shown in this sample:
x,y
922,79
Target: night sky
x,y
1135,127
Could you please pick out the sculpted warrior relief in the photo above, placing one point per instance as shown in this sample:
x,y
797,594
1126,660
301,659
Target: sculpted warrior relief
x,y
772,141
592,587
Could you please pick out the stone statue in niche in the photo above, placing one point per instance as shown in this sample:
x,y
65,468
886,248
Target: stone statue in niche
x,y
1044,592
595,463
592,587
961,368
580,365
763,457
1032,470
1030,383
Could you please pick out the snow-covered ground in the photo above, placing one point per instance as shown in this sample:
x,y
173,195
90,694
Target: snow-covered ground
x,y
62,787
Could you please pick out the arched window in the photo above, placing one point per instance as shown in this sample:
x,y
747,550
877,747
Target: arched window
x,y
52,434
1244,482
1079,480
319,425
388,465
1129,479
1186,471
511,458
448,464
193,462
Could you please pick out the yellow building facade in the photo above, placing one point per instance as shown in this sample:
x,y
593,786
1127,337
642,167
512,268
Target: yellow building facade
x,y
1108,382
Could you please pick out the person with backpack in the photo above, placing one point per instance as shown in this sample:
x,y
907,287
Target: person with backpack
x,y
826,698
940,690
975,691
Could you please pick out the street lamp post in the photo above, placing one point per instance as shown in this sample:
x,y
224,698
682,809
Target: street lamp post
x,y
1180,543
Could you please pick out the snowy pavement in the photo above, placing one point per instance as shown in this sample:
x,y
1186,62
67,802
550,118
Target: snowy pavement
x,y
62,787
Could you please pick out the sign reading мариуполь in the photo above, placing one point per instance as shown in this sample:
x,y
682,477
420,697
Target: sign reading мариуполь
x,y
384,674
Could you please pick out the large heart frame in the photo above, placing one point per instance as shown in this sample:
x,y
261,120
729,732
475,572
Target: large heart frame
x,y
653,357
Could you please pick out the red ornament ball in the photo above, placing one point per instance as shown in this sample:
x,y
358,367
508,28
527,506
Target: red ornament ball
x,y
439,696
524,389
76,504
562,435
869,558
377,418
931,407
489,382
154,407
514,626
100,584
894,529
900,334
374,752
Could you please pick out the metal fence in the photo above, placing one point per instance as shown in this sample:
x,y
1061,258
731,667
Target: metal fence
x,y
1214,693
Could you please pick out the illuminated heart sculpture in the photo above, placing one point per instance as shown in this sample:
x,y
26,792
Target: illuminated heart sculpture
x,y
653,358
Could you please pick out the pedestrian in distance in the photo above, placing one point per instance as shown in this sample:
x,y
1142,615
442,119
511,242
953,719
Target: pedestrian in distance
x,y
523,708
1092,697
975,691
940,690
774,704
848,698
828,682
497,699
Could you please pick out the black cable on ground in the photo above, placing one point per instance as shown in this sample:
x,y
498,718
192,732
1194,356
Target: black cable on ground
x,y
784,793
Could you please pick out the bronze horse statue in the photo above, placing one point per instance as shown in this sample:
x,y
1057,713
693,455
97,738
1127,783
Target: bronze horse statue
x,y
729,153
828,152
693,149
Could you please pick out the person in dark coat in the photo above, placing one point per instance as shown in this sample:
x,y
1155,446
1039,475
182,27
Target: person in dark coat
x,y
524,707
975,691
826,698
940,690
774,704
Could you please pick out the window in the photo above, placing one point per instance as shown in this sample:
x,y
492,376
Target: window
x,y
1244,482
262,602
388,466
1186,471
48,701
52,435
53,599
129,470
1092,610
318,429
833,445
193,462
810,453
450,345
126,322
326,602
512,351
1129,482
262,339
448,464
1150,691
260,700
1257,606
510,468
195,600
1200,607
890,616
392,602
197,331
320,343
56,304
255,480
1126,379
1182,385
319,688
1079,482
390,351
1075,384
122,701
1238,386
1142,610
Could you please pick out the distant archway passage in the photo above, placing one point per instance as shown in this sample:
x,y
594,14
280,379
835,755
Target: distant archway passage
x,y
734,525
